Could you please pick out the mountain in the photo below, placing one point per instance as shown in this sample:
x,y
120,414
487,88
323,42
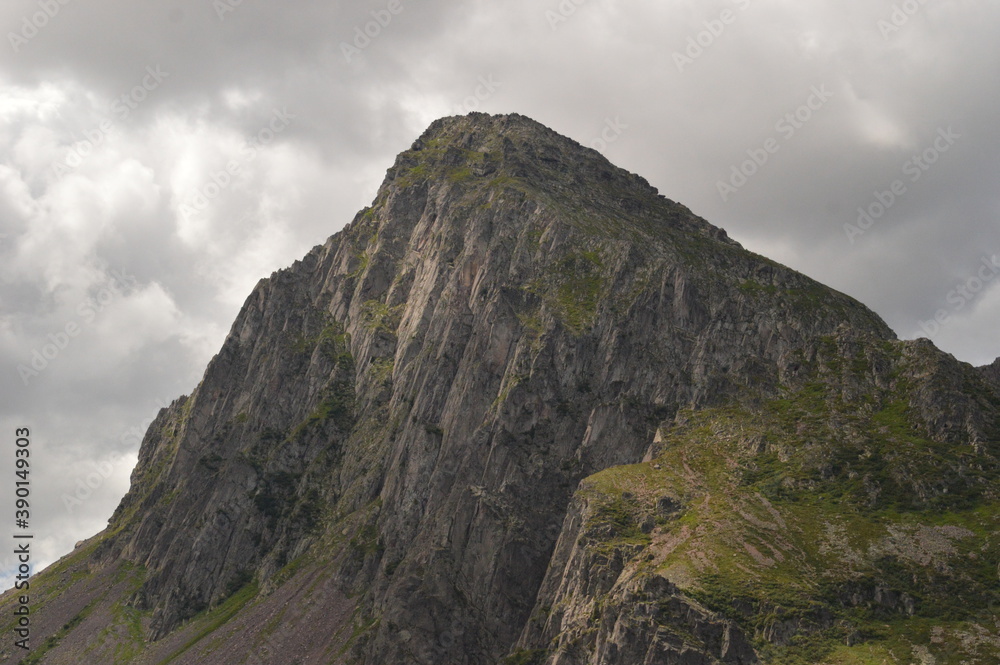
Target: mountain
x,y
525,410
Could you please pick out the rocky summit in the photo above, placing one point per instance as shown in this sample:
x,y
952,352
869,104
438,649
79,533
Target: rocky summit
x,y
525,410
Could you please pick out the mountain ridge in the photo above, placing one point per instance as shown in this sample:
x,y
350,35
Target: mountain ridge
x,y
452,433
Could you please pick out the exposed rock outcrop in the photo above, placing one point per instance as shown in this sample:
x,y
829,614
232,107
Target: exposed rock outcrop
x,y
404,428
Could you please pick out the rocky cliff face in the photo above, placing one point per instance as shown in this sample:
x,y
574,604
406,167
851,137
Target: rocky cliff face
x,y
992,372
524,408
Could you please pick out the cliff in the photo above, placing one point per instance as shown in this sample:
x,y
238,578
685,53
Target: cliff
x,y
524,409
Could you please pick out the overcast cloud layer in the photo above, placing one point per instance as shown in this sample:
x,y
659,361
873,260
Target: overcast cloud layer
x,y
158,158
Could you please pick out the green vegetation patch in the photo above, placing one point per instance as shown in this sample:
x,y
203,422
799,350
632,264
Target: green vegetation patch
x,y
440,158
573,288
38,653
377,315
212,619
381,370
526,657
832,532
336,405
333,341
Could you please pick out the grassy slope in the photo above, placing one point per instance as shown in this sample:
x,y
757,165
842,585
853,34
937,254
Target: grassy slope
x,y
832,531
102,628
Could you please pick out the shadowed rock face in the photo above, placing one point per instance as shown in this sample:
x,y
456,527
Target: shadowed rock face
x,y
398,428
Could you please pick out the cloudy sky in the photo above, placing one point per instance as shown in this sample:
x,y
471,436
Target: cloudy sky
x,y
158,158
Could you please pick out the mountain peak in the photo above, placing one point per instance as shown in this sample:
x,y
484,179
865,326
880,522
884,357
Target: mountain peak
x,y
524,409
478,130
480,154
